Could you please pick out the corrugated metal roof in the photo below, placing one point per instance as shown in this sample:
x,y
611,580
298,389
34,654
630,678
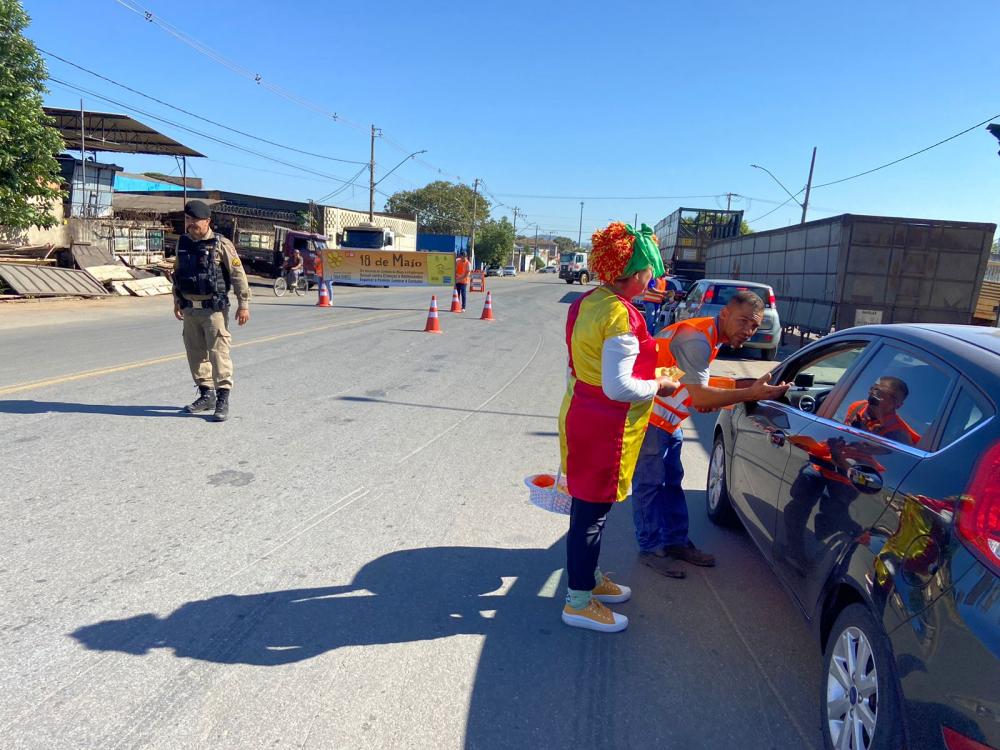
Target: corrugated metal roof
x,y
153,204
40,281
105,131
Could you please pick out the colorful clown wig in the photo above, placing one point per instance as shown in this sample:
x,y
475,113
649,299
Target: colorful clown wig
x,y
619,251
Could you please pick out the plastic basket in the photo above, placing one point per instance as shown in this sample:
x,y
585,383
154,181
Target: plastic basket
x,y
549,493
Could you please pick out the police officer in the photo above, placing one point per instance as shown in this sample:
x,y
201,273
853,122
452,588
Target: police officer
x,y
205,269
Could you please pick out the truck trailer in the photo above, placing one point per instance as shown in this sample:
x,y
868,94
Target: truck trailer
x,y
684,236
852,269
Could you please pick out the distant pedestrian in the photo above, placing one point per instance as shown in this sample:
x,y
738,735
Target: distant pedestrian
x,y
321,282
611,385
463,273
205,269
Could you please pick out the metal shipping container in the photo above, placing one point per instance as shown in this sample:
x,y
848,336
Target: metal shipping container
x,y
850,270
684,235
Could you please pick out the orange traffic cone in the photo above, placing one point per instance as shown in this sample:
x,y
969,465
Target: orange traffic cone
x,y
324,296
488,308
456,304
433,322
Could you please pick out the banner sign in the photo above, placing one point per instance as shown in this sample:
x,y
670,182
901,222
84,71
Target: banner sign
x,y
388,268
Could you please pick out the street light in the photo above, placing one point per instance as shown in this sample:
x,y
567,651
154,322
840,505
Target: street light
x,y
415,153
804,205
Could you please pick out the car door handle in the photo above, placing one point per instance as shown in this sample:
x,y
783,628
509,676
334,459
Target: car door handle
x,y
865,479
777,438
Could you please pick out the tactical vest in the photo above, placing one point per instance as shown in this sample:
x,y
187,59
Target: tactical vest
x,y
200,273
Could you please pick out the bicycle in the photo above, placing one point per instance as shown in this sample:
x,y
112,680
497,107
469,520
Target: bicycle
x,y
281,285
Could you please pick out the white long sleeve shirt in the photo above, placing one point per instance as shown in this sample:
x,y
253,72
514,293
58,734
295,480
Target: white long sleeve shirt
x,y
618,357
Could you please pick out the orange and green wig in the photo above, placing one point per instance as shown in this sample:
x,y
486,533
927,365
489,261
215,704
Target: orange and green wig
x,y
619,251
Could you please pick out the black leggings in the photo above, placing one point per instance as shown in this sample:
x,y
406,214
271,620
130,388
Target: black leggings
x,y
583,542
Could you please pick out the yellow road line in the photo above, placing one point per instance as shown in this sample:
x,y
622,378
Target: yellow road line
x,y
172,357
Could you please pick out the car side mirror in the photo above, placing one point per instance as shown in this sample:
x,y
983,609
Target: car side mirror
x,y
804,380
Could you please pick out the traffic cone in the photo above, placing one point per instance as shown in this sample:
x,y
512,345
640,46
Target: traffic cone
x,y
456,304
433,322
488,308
324,296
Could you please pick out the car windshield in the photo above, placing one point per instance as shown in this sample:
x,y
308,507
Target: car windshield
x,y
363,238
722,293
510,268
566,257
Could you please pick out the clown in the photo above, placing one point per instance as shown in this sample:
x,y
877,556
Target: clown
x,y
609,396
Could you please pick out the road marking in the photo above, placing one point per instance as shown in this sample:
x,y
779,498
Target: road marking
x,y
551,585
173,357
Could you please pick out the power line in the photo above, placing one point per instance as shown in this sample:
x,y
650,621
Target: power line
x,y
196,132
195,115
257,78
908,156
609,197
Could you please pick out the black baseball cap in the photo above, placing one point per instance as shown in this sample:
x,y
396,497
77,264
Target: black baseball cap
x,y
197,210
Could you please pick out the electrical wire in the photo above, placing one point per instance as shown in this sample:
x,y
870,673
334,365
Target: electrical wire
x,y
908,156
196,132
195,115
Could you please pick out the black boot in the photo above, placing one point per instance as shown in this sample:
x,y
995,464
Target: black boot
x,y
204,402
222,405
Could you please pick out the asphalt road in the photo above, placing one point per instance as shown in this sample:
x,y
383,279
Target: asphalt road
x,y
350,561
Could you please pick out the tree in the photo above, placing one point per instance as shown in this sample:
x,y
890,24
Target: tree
x,y
745,228
29,172
495,242
442,207
565,244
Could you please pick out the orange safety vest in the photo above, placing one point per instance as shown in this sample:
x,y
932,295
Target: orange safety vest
x,y
670,411
462,269
318,265
893,424
657,293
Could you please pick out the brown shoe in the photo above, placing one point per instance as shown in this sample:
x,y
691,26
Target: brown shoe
x,y
661,565
690,554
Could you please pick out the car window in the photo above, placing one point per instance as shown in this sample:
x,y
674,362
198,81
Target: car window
x,y
969,411
722,293
814,377
897,395
694,296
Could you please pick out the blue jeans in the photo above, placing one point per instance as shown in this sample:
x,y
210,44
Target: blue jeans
x,y
651,311
463,290
328,283
659,508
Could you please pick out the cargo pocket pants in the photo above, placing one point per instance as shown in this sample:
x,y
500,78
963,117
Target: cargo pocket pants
x,y
206,341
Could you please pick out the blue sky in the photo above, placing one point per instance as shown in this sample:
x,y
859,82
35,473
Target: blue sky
x,y
591,99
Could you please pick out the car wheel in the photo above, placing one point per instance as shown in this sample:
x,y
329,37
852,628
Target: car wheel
x,y
717,500
585,278
769,355
859,695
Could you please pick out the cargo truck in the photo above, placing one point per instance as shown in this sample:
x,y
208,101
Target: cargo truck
x,y
573,267
852,270
684,236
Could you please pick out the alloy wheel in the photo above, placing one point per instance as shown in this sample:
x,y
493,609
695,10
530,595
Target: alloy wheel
x,y
852,692
716,475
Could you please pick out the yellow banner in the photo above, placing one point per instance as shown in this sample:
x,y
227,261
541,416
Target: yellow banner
x,y
388,268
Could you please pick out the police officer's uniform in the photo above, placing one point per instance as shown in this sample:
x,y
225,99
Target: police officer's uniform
x,y
204,272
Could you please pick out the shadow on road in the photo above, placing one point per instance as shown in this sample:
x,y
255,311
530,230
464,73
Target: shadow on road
x,y
571,297
116,410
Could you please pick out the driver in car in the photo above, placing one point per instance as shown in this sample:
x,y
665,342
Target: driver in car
x,y
877,414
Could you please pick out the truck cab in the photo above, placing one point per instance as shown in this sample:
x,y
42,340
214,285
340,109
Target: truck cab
x,y
573,267
366,237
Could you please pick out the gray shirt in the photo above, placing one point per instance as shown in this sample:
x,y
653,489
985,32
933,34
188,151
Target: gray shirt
x,y
693,354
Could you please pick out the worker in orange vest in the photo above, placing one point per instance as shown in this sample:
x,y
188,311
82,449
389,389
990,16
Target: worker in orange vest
x,y
652,299
463,273
878,414
320,281
659,507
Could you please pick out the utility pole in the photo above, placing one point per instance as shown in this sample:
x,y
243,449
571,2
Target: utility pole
x,y
579,234
472,238
516,210
83,166
729,200
536,244
371,182
805,202
635,222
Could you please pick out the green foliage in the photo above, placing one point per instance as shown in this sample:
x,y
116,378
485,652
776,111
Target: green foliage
x,y
537,263
565,244
745,228
442,207
495,243
28,144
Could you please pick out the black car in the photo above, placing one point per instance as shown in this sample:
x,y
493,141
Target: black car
x,y
873,490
